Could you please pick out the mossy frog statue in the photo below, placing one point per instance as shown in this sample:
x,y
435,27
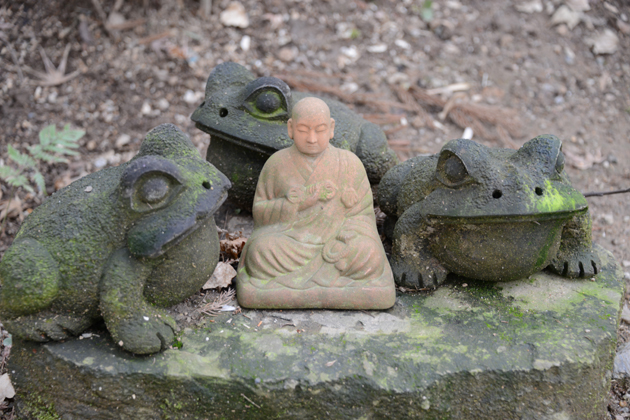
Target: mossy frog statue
x,y
247,116
489,214
117,244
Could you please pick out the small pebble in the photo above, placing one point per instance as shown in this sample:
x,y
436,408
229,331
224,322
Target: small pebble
x,y
100,162
146,108
163,104
246,42
123,140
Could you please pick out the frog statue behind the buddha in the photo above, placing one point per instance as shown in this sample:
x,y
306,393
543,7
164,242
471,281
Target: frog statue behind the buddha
x,y
489,214
247,117
117,244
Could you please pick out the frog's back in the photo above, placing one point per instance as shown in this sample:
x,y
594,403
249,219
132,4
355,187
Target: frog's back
x,y
80,226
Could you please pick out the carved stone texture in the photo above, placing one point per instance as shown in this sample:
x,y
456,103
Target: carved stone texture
x,y
315,243
117,244
488,214
246,118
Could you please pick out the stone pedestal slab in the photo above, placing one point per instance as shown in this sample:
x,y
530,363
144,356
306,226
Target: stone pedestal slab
x,y
537,348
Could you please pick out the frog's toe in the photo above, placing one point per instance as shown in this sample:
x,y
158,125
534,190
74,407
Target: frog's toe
x,y
409,276
580,264
437,276
406,275
46,327
143,334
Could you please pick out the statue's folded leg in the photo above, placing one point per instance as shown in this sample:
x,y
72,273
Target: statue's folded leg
x,y
274,255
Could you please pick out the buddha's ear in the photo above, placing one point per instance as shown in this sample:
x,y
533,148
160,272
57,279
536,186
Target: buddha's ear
x,y
332,128
290,128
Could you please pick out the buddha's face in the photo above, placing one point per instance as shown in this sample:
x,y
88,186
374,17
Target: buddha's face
x,y
312,132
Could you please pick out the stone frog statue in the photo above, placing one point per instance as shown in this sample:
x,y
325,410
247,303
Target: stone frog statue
x,y
489,214
246,117
117,244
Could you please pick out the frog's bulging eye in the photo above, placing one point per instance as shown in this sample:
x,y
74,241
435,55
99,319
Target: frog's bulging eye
x,y
451,171
267,98
150,183
560,162
455,170
268,102
153,190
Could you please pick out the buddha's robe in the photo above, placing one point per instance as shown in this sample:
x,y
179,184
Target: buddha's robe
x,y
332,244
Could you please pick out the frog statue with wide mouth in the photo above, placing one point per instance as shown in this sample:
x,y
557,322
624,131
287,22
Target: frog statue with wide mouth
x,y
488,214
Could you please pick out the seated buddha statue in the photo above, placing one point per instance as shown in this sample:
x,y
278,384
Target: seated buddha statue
x,y
315,242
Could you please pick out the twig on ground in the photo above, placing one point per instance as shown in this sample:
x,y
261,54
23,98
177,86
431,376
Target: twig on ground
x,y
213,308
243,395
151,38
600,194
126,25
382,119
102,16
13,56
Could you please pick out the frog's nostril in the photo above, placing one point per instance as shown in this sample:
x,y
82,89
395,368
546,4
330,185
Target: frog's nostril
x,y
223,112
497,194
539,191
206,185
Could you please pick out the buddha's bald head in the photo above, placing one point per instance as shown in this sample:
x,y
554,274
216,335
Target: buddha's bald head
x,y
310,126
309,106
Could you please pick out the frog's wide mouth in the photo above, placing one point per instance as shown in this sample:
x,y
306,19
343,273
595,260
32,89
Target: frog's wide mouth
x,y
240,142
505,218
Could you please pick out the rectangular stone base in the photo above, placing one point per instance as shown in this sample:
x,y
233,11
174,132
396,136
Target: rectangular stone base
x,y
537,348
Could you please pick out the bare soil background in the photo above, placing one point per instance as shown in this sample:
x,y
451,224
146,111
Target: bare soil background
x,y
503,68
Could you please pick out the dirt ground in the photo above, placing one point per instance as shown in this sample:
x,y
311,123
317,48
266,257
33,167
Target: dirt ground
x,y
510,70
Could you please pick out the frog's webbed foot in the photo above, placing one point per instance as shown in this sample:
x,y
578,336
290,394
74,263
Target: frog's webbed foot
x,y
145,333
133,323
430,273
576,257
46,326
582,262
412,263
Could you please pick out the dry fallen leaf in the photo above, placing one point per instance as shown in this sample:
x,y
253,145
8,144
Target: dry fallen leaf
x,y
566,15
6,388
222,276
604,43
12,208
235,15
578,5
530,6
232,245
329,364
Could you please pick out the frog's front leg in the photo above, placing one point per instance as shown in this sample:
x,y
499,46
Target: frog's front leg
x,y
576,257
412,263
133,323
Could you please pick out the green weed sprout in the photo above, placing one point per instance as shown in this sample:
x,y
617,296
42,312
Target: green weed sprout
x,y
53,146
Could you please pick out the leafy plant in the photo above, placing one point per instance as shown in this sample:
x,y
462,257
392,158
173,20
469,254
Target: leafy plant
x,y
427,11
53,146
